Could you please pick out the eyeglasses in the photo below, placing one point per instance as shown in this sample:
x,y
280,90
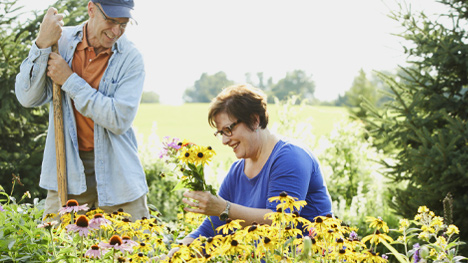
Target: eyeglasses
x,y
112,21
226,130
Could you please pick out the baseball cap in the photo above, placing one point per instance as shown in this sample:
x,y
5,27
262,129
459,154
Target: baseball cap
x,y
116,8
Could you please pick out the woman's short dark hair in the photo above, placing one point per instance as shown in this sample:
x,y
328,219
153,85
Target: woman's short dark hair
x,y
243,102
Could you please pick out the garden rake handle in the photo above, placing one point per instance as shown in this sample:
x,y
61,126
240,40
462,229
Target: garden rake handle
x,y
59,140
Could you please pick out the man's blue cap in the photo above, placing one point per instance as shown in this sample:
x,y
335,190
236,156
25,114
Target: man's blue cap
x,y
116,8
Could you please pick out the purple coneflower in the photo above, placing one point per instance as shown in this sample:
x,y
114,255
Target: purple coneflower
x,y
73,206
47,225
93,252
98,220
128,241
81,226
116,243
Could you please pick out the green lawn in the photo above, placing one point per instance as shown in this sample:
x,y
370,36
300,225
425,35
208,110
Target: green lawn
x,y
190,121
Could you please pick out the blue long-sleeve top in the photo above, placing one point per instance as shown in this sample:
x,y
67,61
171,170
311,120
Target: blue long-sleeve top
x,y
290,168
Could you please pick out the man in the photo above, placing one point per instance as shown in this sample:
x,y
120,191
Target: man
x,y
101,75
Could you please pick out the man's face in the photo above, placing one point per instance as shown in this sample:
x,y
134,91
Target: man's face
x,y
104,31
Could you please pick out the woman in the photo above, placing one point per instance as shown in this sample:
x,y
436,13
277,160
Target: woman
x,y
268,166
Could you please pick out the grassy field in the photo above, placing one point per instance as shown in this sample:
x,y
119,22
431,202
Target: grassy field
x,y
190,121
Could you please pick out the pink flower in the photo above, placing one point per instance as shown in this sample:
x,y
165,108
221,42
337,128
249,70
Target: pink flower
x,y
116,243
47,225
72,205
93,252
97,221
81,226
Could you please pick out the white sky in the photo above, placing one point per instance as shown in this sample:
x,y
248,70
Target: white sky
x,y
330,40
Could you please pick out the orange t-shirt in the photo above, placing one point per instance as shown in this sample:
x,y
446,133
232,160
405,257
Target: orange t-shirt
x,y
91,68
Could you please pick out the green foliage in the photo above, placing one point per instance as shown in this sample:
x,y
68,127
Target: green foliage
x,y
427,121
207,87
22,134
20,239
161,195
149,97
22,137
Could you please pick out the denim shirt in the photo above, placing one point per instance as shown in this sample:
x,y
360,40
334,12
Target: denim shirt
x,y
119,174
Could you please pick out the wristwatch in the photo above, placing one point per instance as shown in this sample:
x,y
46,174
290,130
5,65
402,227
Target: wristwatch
x,y
225,214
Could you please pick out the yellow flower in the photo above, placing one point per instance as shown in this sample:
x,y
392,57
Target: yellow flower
x,y
437,221
423,236
428,229
371,256
376,238
404,224
187,155
423,209
234,247
377,223
140,257
452,229
201,155
230,225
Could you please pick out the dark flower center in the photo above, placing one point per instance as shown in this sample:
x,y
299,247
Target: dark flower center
x,y
377,232
279,210
229,220
318,220
283,194
120,210
82,221
115,240
72,202
98,216
200,155
252,228
209,148
340,240
207,256
342,251
140,254
209,240
142,244
180,144
266,240
187,155
95,247
234,243
313,240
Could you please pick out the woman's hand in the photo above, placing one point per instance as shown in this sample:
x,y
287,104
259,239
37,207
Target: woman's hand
x,y
204,203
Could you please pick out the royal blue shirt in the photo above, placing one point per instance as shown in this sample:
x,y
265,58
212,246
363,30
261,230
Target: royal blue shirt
x,y
290,168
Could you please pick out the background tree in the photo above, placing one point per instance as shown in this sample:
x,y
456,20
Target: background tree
x,y
149,97
207,87
427,120
295,83
22,136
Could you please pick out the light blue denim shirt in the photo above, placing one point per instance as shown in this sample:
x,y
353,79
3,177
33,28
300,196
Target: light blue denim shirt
x,y
119,174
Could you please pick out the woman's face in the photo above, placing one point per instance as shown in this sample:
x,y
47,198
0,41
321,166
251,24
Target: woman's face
x,y
243,140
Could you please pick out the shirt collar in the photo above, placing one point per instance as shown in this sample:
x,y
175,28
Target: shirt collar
x,y
82,33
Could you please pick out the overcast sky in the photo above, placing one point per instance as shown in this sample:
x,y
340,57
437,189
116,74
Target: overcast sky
x,y
330,40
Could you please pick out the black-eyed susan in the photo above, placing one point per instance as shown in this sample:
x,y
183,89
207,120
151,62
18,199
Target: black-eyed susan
x,y
211,243
234,247
377,237
230,225
377,223
140,257
186,155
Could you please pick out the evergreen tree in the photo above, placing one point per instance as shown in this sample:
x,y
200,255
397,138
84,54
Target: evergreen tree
x,y
22,136
425,126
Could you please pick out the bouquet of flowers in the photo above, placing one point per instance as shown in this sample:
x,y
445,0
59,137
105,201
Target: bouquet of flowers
x,y
190,159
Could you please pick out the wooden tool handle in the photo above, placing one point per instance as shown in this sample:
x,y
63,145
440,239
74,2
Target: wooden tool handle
x,y
59,141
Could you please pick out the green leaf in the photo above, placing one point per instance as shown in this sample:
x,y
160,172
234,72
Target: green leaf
x,y
180,185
